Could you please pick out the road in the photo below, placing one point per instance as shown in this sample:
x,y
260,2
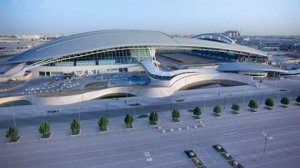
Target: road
x,y
163,106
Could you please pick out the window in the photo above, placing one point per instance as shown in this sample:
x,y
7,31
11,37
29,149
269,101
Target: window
x,y
41,73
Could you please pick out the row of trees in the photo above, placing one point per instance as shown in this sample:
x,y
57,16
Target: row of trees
x,y
253,105
45,129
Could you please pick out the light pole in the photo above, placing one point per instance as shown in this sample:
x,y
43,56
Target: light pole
x,y
204,103
148,158
261,95
191,146
14,117
78,110
133,110
224,102
106,109
33,108
267,136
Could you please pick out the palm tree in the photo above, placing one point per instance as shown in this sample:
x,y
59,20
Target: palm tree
x,y
235,108
298,99
176,115
269,102
128,121
253,105
153,118
285,101
217,110
75,127
45,129
102,123
197,112
12,134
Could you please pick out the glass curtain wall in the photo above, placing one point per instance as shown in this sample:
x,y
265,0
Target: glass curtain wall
x,y
126,56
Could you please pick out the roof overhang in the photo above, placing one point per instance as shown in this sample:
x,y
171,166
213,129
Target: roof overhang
x,y
110,39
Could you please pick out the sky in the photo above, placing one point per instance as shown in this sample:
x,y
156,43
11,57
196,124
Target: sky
x,y
250,17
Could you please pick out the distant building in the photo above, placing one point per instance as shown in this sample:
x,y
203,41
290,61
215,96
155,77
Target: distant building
x,y
232,34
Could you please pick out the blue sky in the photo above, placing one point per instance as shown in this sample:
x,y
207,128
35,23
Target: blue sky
x,y
251,17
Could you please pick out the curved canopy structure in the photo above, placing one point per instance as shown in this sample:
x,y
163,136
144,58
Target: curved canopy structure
x,y
116,39
215,37
248,67
156,73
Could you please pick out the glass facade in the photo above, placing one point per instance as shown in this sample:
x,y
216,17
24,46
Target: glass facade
x,y
124,56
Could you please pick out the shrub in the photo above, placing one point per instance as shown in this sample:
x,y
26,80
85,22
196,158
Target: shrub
x,y
285,101
253,105
153,118
102,123
12,134
175,115
128,121
197,112
45,129
269,102
75,127
235,107
217,110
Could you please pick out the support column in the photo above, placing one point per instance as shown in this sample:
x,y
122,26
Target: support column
x,y
152,52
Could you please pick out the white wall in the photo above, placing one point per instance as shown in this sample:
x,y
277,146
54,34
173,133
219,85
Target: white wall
x,y
152,91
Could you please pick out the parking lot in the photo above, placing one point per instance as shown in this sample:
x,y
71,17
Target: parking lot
x,y
241,135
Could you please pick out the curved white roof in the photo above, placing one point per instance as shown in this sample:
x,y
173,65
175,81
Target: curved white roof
x,y
109,39
247,66
153,70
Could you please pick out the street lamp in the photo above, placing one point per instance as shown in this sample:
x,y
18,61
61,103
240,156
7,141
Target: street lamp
x,y
14,117
261,96
78,110
267,136
204,103
106,109
33,108
224,102
148,158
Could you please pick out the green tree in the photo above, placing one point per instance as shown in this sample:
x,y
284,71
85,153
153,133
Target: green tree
x,y
153,118
235,107
175,115
217,110
197,112
75,127
298,99
253,105
103,123
12,134
128,121
285,101
45,129
269,102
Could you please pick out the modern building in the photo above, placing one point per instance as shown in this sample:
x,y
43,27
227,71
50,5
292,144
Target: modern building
x,y
111,51
115,51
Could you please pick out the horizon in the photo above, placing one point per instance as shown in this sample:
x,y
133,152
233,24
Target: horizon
x,y
275,18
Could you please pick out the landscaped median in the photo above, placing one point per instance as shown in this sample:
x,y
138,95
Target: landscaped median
x,y
194,159
227,156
